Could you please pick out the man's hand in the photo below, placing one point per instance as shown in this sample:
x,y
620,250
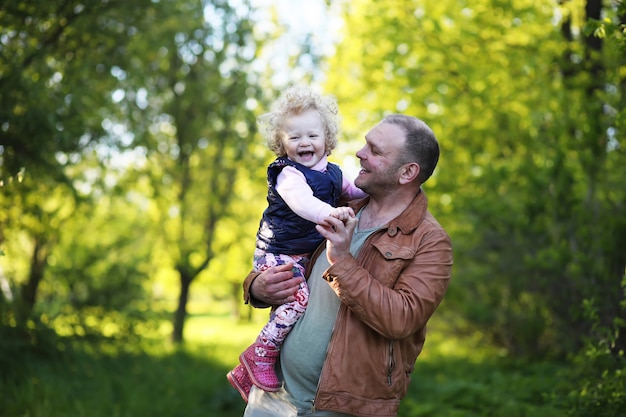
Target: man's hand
x,y
276,285
338,233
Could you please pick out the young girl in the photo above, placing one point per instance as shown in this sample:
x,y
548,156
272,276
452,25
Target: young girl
x,y
303,189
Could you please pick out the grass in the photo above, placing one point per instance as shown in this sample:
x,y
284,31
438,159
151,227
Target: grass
x,y
453,377
463,377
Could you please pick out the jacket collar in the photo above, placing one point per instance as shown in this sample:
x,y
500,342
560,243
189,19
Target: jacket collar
x,y
408,220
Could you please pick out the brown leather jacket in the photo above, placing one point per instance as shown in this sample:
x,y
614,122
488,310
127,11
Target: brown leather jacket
x,y
388,293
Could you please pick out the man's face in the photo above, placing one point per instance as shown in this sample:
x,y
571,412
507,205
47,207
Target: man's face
x,y
379,159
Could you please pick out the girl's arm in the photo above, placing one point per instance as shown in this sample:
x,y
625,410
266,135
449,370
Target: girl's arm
x,y
293,188
349,191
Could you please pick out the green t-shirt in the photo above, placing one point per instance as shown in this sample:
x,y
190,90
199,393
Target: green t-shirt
x,y
304,350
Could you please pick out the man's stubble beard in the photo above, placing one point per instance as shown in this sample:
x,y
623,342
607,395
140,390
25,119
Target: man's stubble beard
x,y
381,183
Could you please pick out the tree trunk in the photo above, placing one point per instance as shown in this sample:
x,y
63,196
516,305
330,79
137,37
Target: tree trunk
x,y
236,300
29,289
181,310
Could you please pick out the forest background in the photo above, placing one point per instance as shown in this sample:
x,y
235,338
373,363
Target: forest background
x,y
132,178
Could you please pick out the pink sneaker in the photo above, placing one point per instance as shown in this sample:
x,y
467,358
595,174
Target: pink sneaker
x,y
259,360
240,380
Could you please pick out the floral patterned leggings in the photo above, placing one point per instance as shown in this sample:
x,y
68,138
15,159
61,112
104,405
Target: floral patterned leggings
x,y
284,317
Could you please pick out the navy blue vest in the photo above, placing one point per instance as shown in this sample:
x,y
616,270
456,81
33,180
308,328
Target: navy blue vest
x,y
283,231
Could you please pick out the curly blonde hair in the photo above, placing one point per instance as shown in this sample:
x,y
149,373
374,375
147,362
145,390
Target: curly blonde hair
x,y
293,101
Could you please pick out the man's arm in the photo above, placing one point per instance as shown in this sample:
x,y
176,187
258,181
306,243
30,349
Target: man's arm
x,y
393,312
404,309
274,286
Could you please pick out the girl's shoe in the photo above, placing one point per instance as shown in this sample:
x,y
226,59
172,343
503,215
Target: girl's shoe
x,y
240,380
259,360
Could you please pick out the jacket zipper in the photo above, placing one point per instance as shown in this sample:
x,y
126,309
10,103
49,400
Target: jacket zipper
x,y
391,365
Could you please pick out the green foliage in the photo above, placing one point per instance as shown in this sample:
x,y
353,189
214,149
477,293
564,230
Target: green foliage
x,y
196,127
109,263
153,378
129,377
130,168
123,130
600,369
57,66
20,346
530,116
55,61
492,387
612,27
601,393
177,383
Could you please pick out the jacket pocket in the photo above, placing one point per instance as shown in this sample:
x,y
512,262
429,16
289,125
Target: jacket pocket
x,y
392,251
395,258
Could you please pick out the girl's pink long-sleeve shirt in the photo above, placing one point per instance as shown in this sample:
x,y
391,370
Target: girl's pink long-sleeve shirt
x,y
293,188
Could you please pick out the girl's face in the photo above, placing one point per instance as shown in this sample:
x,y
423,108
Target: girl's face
x,y
303,138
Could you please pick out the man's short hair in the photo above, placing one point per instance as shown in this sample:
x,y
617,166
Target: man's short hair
x,y
421,144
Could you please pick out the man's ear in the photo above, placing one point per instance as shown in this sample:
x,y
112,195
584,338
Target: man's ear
x,y
409,173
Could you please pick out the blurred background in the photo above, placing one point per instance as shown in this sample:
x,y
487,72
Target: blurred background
x,y
132,181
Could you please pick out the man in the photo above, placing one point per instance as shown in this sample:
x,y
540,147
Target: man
x,y
374,285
